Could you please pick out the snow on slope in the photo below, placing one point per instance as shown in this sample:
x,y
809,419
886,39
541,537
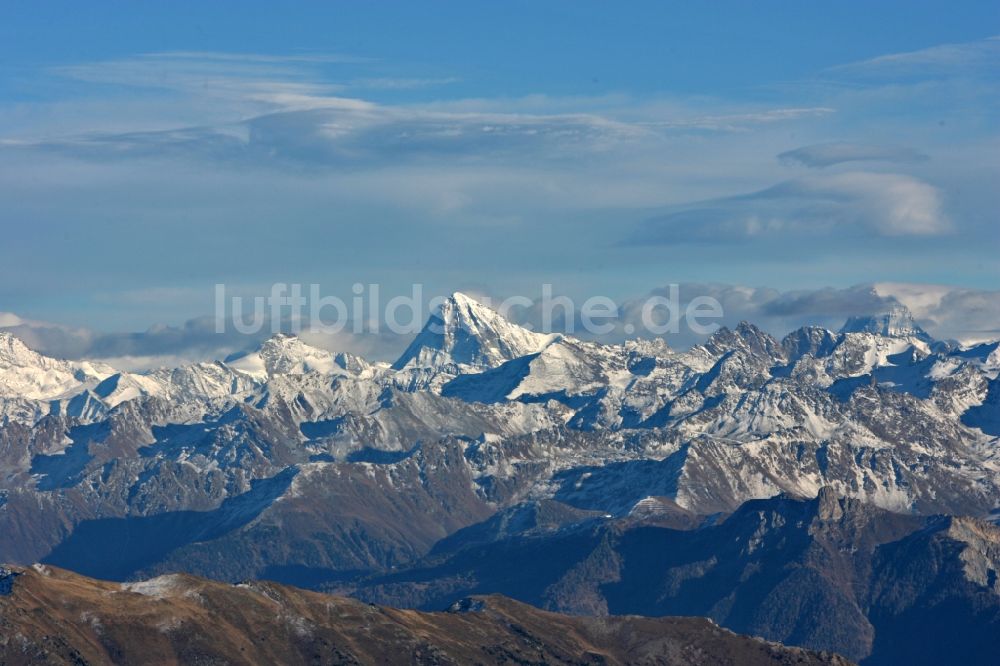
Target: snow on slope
x,y
29,375
463,332
285,354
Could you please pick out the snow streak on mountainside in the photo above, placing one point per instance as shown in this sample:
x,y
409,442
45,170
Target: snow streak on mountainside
x,y
290,459
464,333
27,375
295,464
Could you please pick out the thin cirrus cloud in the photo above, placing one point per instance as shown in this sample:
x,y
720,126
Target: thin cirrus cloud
x,y
354,135
335,132
838,152
962,59
203,72
304,109
859,203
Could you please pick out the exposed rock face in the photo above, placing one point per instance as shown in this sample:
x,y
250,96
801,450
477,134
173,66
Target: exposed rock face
x,y
935,593
55,617
320,469
6,580
830,573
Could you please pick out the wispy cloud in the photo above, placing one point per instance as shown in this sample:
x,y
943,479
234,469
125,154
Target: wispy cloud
x,y
967,58
737,122
350,133
839,152
130,159
402,83
193,70
294,109
336,131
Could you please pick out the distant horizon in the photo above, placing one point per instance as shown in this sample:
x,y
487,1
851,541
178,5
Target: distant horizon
x,y
204,340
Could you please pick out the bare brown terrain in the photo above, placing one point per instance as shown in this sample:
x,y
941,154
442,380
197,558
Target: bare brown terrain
x,y
51,616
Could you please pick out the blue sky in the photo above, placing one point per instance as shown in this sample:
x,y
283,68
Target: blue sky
x,y
151,150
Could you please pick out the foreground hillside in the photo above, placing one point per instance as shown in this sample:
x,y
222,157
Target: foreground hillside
x,y
50,615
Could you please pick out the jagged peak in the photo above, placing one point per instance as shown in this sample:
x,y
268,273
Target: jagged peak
x,y
721,340
28,374
760,341
288,343
814,340
745,328
13,350
285,354
745,336
14,353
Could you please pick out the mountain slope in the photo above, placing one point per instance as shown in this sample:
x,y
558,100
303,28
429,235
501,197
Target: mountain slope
x,y
828,573
463,332
295,464
29,375
51,615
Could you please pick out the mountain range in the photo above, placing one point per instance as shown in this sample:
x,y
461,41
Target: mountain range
x,y
832,490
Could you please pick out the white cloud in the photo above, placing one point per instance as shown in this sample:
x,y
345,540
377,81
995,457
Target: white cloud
x,y
969,315
892,204
883,204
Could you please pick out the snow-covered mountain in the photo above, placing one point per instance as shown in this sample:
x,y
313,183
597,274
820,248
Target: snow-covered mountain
x,y
464,334
896,323
27,375
301,465
290,458
288,355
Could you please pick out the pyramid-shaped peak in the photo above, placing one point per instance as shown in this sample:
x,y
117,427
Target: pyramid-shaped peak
x,y
460,306
464,332
464,300
896,322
